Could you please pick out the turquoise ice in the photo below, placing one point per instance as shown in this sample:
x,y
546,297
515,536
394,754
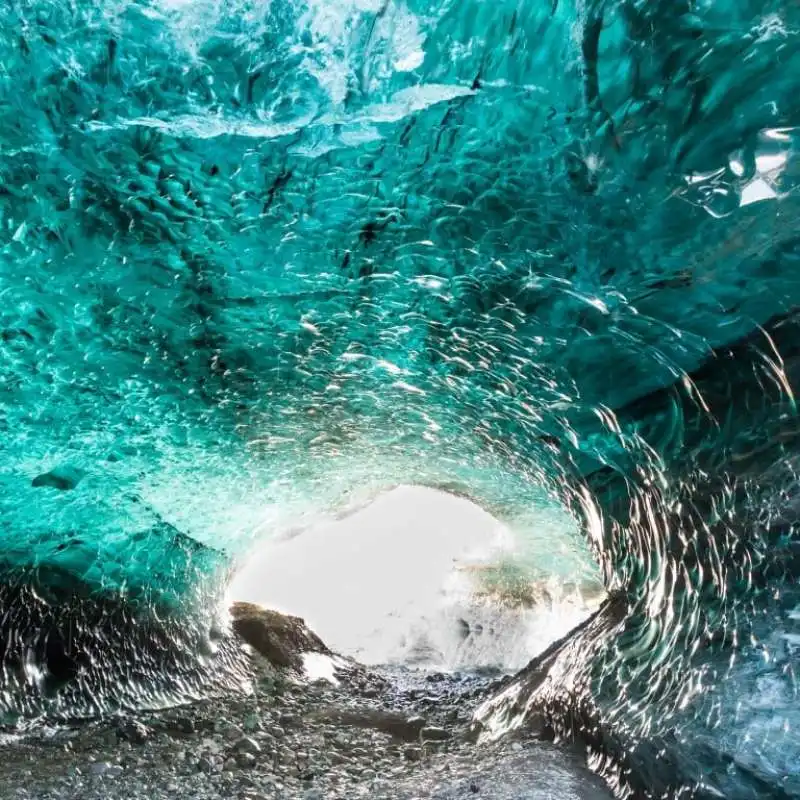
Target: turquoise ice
x,y
257,258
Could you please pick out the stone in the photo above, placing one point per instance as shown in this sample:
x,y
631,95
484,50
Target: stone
x,y
433,733
412,753
247,745
281,639
206,764
181,726
64,478
104,769
246,760
251,723
227,729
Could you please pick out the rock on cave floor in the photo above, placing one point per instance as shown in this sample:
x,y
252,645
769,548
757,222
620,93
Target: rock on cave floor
x,y
388,733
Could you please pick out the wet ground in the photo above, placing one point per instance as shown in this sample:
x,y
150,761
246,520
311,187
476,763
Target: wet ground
x,y
391,734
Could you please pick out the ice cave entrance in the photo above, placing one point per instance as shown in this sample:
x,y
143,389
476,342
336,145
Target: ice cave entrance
x,y
419,577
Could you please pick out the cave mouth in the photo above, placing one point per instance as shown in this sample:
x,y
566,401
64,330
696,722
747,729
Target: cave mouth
x,y
424,578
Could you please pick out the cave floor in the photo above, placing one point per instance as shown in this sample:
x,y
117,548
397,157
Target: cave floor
x,y
380,733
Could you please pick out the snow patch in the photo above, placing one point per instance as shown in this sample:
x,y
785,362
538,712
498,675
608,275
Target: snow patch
x,y
320,667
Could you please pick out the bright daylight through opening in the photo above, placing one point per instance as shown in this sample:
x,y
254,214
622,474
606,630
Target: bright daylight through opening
x,y
419,577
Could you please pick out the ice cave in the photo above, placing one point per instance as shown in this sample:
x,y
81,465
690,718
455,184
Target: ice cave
x,y
266,261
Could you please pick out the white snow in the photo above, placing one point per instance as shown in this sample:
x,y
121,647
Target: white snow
x,y
321,667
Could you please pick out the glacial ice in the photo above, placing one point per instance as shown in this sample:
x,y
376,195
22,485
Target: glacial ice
x,y
259,258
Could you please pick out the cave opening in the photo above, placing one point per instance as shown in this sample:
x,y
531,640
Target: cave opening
x,y
426,578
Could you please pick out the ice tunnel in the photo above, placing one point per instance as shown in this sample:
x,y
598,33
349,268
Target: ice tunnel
x,y
264,259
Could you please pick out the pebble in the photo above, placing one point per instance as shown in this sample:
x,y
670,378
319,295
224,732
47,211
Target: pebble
x,y
275,751
247,745
251,723
103,768
246,759
412,753
205,764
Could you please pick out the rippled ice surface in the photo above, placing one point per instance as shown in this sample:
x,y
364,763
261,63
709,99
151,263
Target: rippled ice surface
x,y
261,260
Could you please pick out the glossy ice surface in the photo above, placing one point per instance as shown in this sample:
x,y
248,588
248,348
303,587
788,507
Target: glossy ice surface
x,y
259,257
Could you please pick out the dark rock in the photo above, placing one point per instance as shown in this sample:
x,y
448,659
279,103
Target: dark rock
x,y
205,764
279,638
180,725
247,745
246,759
434,734
412,753
133,731
64,478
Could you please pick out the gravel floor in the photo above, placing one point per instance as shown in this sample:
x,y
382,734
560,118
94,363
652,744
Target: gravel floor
x,y
391,734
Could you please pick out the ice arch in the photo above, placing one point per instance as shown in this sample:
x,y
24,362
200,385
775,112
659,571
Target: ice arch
x,y
257,257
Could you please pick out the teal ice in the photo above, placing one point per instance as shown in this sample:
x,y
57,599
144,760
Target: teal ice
x,y
258,256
